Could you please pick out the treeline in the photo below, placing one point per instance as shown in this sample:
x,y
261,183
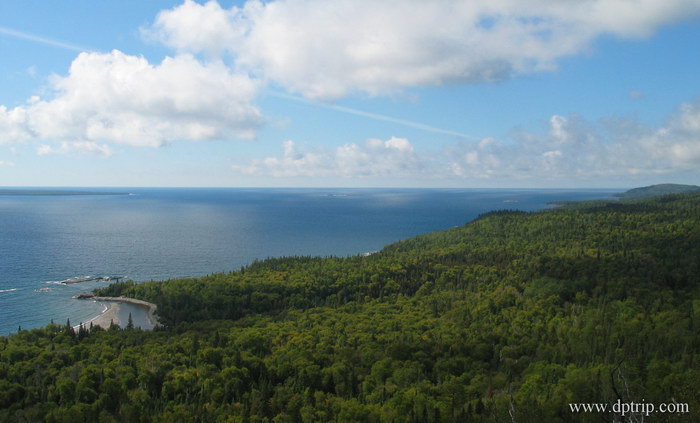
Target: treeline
x,y
508,318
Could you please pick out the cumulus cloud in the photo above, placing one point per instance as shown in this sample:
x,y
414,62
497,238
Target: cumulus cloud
x,y
196,27
680,140
326,49
13,125
6,163
393,157
571,147
124,99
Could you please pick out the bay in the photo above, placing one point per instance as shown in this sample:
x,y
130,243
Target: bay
x,y
160,234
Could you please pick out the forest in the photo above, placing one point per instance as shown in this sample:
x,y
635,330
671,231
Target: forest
x,y
508,318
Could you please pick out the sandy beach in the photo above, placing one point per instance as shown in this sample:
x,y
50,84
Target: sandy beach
x,y
111,312
105,318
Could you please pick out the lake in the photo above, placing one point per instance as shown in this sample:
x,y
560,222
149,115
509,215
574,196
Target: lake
x,y
159,234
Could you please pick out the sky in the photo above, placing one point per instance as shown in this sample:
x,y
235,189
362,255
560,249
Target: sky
x,y
350,93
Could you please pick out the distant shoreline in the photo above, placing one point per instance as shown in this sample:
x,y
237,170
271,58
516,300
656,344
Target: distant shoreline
x,y
50,192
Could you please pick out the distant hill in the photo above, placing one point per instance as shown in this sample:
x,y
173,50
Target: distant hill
x,y
660,189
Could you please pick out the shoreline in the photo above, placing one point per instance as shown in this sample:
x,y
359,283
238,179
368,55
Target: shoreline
x,y
104,319
110,313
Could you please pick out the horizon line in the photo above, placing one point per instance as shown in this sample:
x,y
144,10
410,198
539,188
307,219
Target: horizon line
x,y
63,187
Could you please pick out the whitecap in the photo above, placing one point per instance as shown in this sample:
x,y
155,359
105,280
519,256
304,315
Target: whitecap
x,y
43,289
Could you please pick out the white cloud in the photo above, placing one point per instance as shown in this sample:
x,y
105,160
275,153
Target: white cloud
x,y
124,99
393,157
574,148
195,27
680,140
13,125
326,49
5,163
568,149
86,147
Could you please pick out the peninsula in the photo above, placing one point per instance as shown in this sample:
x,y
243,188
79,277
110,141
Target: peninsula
x,y
656,190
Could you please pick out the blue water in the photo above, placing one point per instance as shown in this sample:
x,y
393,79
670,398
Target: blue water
x,y
157,234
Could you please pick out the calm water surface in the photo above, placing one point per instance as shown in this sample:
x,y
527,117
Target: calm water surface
x,y
157,234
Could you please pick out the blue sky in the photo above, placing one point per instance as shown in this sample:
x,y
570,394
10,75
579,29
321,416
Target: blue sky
x,y
527,93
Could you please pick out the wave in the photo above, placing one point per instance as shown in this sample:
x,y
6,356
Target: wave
x,y
9,290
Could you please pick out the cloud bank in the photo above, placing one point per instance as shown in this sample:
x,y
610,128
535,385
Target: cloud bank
x,y
393,157
569,148
327,49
